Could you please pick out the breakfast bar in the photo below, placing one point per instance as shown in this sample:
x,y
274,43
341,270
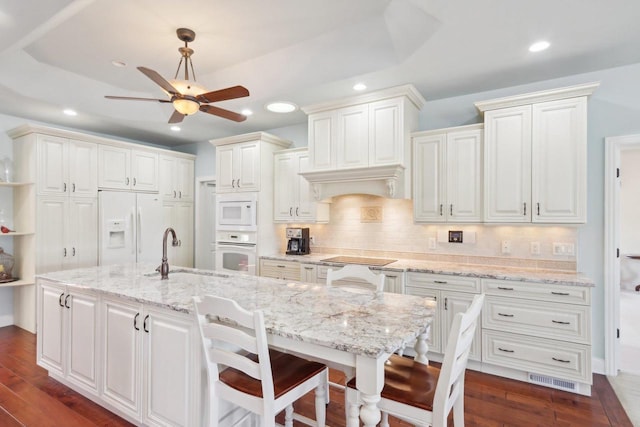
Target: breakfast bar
x,y
88,318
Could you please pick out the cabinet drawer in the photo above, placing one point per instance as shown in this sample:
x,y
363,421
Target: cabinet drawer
x,y
537,355
538,291
443,282
540,319
280,269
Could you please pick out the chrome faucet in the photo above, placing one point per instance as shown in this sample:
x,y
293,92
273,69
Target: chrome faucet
x,y
164,267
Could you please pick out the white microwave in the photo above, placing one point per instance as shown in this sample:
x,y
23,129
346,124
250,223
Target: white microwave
x,y
236,212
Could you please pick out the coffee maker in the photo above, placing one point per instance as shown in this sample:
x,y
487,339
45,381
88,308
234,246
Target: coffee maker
x,y
298,243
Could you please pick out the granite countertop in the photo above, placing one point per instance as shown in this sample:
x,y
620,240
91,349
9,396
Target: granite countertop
x,y
558,277
347,319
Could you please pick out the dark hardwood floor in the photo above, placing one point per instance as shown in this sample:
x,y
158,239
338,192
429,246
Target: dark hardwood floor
x,y
28,397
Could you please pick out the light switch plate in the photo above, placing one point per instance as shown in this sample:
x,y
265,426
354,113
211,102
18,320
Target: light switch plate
x,y
535,248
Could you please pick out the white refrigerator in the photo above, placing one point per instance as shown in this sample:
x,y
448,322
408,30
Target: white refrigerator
x,y
131,227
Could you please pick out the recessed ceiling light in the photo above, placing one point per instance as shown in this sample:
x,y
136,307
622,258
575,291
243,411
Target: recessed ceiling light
x,y
539,46
359,86
175,128
246,112
70,112
117,63
282,107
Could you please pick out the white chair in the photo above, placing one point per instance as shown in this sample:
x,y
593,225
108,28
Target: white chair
x,y
258,379
421,394
361,272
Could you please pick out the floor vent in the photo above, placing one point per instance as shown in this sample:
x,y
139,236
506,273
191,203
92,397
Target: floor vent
x,y
552,382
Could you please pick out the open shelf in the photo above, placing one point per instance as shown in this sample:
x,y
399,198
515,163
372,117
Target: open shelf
x,y
18,233
20,282
14,184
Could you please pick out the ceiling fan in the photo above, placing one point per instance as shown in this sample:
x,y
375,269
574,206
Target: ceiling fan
x,y
187,96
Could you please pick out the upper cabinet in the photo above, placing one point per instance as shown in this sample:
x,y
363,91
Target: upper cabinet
x,y
292,197
447,175
176,178
245,162
536,156
363,144
122,168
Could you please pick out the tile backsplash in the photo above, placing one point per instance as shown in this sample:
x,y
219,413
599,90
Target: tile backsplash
x,y
393,233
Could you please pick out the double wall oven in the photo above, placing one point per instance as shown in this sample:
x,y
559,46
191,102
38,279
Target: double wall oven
x,y
236,233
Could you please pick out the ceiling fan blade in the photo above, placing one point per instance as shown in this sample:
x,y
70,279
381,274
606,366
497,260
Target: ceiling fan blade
x,y
128,98
176,117
159,80
223,113
223,94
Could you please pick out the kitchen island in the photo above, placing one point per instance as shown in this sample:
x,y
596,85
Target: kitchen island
x,y
126,339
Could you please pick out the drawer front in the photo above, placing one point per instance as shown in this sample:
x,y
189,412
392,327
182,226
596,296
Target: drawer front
x,y
537,355
540,319
280,269
444,282
538,291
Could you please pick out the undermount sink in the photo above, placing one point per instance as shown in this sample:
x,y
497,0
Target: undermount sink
x,y
377,262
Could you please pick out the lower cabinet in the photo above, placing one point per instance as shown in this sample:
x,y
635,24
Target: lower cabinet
x,y
287,270
453,295
67,342
149,364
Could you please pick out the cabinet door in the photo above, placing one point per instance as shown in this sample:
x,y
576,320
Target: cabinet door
x,y
82,324
83,233
225,180
306,206
284,190
454,303
122,325
50,347
167,177
559,161
428,183
386,136
185,179
393,282
53,165
114,167
507,165
184,224
435,330
144,171
169,369
352,137
52,218
248,173
308,273
322,141
83,168
464,176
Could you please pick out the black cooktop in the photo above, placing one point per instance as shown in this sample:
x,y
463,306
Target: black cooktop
x,y
378,262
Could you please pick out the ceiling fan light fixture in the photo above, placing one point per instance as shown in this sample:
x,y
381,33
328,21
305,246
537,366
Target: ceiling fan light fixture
x,y
186,106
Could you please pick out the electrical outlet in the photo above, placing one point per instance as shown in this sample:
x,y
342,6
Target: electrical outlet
x,y
506,246
535,248
432,242
564,249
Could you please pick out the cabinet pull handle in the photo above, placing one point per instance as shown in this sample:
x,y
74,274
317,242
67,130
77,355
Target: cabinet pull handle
x,y
179,194
134,182
559,322
127,181
440,282
308,268
233,185
505,315
440,209
144,324
538,208
73,187
238,182
451,210
174,194
297,211
280,266
560,293
64,187
290,211
525,209
135,322
73,251
445,303
60,300
561,360
505,350
66,299
64,252
505,289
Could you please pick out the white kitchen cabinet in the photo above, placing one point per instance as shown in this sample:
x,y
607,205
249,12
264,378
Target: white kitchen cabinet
x,y
277,269
150,369
176,178
179,216
536,156
121,168
67,167
352,137
293,201
67,343
238,167
453,294
308,273
447,168
67,233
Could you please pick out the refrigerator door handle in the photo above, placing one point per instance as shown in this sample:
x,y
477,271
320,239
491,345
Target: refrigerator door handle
x,y
139,230
133,248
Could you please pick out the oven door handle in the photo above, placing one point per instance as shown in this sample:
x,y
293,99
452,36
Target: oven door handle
x,y
236,245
